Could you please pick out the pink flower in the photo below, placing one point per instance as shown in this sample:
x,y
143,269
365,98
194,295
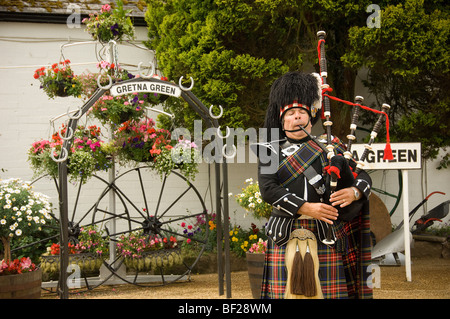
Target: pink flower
x,y
188,241
106,8
183,224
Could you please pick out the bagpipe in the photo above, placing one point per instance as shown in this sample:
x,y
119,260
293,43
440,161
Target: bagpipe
x,y
343,170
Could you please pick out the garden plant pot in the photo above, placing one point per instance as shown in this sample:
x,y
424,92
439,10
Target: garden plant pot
x,y
153,260
21,286
255,266
89,264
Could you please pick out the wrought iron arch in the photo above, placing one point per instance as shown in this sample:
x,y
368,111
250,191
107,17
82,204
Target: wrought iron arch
x,y
221,183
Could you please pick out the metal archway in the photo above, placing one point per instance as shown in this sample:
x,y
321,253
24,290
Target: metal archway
x,y
221,182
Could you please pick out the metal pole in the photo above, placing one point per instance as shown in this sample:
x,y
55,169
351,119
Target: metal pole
x,y
63,289
406,225
112,207
226,226
219,230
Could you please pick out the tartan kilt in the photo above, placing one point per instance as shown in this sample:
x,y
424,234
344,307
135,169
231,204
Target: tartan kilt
x,y
343,268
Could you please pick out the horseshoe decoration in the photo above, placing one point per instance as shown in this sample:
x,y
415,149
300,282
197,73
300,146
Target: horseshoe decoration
x,y
219,133
184,88
233,154
146,76
106,87
76,117
67,137
62,158
216,117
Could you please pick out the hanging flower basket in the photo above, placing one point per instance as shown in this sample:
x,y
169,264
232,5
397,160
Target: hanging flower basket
x,y
86,156
140,141
59,80
110,24
183,156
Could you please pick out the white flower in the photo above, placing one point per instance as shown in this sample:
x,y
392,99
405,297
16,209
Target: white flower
x,y
3,222
12,227
259,200
18,232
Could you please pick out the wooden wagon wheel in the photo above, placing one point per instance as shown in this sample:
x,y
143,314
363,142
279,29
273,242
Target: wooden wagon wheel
x,y
155,211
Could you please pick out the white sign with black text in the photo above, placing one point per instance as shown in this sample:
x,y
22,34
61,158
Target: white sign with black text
x,y
145,87
406,156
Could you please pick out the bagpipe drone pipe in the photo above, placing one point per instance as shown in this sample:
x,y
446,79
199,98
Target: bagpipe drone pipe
x,y
343,170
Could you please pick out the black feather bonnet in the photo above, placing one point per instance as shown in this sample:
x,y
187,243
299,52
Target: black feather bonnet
x,y
293,89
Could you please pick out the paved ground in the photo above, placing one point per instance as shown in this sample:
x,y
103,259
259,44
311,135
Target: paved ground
x,y
430,280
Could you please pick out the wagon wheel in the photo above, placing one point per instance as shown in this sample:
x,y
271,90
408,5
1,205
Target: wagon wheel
x,y
82,203
391,196
164,207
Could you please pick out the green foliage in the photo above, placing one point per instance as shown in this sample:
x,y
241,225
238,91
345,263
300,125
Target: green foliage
x,y
235,49
408,64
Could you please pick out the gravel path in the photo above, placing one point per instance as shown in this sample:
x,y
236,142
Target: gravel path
x,y
430,280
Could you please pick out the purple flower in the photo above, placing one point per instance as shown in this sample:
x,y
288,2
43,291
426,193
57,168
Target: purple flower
x,y
114,29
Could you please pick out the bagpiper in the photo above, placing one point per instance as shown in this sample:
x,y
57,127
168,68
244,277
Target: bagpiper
x,y
318,235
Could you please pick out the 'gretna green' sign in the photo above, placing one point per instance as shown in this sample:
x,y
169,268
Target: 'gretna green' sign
x,y
145,87
406,156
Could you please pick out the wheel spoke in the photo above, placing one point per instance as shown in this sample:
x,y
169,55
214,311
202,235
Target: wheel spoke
x,y
175,201
76,202
130,202
185,236
143,191
160,195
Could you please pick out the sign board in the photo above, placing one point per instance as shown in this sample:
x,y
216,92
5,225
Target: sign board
x,y
145,87
406,156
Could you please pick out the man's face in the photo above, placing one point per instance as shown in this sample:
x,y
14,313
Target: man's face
x,y
292,119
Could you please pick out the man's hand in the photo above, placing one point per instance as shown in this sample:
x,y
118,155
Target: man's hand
x,y
321,211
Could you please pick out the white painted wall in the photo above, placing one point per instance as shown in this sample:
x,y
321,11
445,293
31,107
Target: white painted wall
x,y
25,112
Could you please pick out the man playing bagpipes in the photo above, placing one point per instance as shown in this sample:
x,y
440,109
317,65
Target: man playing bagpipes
x,y
319,236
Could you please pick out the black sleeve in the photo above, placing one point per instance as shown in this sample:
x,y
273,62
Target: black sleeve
x,y
286,204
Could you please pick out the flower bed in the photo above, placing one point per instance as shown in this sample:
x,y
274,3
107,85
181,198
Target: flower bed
x,y
88,252
142,252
